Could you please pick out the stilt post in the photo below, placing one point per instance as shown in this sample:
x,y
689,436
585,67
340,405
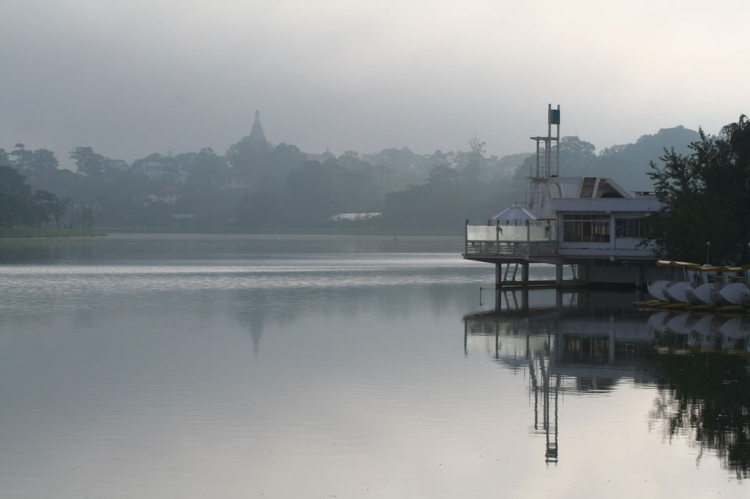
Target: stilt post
x,y
525,273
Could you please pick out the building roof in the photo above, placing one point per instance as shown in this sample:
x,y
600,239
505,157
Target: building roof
x,y
514,214
593,194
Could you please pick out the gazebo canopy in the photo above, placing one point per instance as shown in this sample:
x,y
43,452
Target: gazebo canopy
x,y
514,215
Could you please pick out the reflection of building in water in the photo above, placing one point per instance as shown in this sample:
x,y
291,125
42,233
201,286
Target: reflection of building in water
x,y
585,342
545,387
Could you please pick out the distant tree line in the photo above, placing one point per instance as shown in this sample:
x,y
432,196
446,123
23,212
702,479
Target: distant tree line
x,y
261,186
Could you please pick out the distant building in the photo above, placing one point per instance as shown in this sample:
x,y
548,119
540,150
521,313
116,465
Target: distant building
x,y
322,158
353,217
159,169
234,183
182,216
155,169
168,195
257,136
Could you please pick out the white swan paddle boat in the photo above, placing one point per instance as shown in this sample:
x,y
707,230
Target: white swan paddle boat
x,y
696,284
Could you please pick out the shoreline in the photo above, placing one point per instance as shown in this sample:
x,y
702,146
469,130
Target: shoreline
x,y
8,233
15,233
283,231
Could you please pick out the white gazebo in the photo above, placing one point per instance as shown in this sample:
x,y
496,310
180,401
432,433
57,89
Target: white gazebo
x,y
515,215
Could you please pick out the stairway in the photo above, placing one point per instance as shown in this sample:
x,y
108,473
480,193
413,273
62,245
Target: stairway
x,y
587,189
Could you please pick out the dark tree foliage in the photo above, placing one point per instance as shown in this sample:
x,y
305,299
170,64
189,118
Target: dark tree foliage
x,y
19,206
705,197
87,161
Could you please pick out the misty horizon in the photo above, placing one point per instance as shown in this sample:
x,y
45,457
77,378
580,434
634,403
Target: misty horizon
x,y
132,78
64,156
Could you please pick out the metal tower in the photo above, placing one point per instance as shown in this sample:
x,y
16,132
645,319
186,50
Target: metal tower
x,y
547,160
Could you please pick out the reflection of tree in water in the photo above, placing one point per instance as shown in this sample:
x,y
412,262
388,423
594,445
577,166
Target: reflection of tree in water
x,y
707,397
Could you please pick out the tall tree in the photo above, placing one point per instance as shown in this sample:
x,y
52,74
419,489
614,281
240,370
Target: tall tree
x,y
42,160
48,207
705,198
20,157
18,206
87,162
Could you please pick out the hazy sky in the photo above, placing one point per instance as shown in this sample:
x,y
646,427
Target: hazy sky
x,y
131,77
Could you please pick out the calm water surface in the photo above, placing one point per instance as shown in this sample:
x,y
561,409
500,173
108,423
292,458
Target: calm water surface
x,y
316,367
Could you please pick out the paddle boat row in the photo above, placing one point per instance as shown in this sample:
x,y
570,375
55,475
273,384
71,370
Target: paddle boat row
x,y
696,284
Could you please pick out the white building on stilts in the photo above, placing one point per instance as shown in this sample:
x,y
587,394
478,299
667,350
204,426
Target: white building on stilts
x,y
589,223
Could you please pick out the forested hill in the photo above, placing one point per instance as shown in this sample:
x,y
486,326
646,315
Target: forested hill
x,y
264,187
627,163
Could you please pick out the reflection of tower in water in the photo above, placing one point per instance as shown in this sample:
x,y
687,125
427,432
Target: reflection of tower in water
x,y
545,387
584,342
566,342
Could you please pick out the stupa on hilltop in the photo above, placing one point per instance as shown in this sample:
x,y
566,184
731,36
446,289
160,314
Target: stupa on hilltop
x,y
257,137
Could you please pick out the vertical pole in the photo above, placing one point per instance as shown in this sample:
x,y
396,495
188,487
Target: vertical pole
x,y
528,238
466,339
549,120
498,275
548,152
557,158
497,342
525,273
558,275
466,237
497,237
640,278
530,204
611,340
586,270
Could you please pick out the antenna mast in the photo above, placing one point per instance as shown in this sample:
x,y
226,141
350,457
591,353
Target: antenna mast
x,y
547,159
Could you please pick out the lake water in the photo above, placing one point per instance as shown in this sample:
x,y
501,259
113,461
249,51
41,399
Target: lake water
x,y
317,367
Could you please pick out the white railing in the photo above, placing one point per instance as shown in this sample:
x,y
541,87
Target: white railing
x,y
528,239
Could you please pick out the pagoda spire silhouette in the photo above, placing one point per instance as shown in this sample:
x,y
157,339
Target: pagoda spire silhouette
x,y
257,136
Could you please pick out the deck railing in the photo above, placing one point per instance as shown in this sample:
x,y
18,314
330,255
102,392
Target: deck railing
x,y
527,239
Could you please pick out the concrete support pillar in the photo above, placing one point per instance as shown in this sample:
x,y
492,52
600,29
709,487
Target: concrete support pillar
x,y
584,271
611,340
525,273
640,278
498,275
559,275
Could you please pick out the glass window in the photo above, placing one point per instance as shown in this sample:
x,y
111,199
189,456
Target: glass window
x,y
630,227
586,228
